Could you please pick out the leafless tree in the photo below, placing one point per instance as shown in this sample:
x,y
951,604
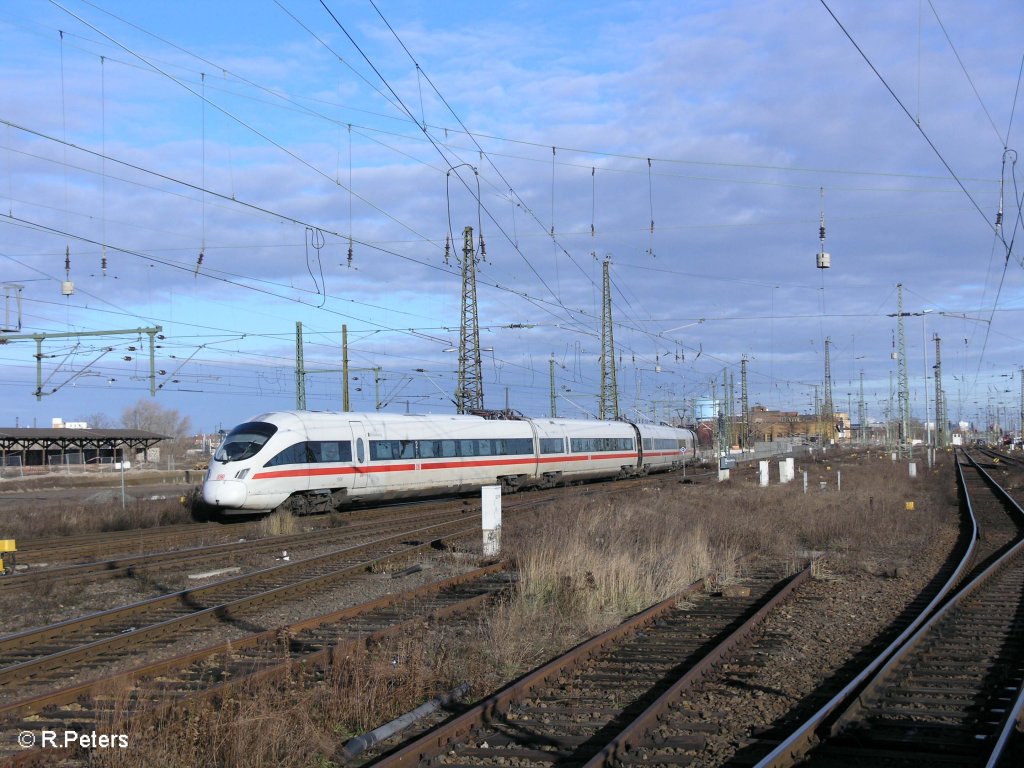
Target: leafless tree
x,y
147,415
98,420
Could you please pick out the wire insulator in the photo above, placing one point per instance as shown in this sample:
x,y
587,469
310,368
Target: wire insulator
x,y
447,249
199,263
103,265
67,261
350,254
483,249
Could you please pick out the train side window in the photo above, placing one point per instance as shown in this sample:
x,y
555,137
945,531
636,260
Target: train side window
x,y
583,444
331,451
406,449
448,449
467,447
524,445
360,451
381,450
552,445
293,454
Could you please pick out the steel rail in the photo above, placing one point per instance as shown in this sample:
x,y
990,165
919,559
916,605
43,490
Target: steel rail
x,y
922,635
976,585
224,611
61,549
318,659
634,732
435,741
71,694
459,729
123,567
1013,720
798,743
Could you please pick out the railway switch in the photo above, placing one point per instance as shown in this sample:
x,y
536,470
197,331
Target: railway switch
x,y
7,550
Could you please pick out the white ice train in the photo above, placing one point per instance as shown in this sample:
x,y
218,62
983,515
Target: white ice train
x,y
311,461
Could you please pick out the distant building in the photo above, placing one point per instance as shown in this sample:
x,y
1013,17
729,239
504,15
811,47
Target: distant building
x,y
66,445
767,426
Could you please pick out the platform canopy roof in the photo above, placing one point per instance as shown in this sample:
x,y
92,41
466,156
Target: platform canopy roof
x,y
32,439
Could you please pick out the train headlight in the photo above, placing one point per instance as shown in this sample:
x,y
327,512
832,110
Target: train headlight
x,y
241,474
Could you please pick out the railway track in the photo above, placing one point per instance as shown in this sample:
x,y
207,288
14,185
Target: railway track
x,y
585,703
51,654
1010,459
221,555
951,689
40,553
215,671
98,547
241,547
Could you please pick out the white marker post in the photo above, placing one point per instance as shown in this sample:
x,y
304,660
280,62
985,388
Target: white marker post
x,y
763,469
490,505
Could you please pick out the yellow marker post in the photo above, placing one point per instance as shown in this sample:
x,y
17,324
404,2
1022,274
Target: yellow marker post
x,y
7,550
909,506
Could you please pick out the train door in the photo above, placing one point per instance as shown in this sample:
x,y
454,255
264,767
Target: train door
x,y
639,445
535,436
360,454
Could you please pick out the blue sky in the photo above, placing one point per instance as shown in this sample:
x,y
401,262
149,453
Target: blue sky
x,y
693,144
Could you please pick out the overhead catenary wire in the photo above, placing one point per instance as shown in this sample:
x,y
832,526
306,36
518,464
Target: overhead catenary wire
x,y
995,225
902,106
282,97
568,313
1004,140
561,224
229,115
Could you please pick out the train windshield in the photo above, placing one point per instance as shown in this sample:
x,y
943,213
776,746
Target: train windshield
x,y
244,441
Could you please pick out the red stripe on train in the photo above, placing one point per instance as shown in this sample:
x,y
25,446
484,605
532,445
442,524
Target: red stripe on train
x,y
429,464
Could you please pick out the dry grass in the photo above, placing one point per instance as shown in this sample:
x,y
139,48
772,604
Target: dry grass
x,y
280,523
583,565
34,521
304,719
595,563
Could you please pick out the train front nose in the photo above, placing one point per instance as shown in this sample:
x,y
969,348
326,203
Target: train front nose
x,y
224,493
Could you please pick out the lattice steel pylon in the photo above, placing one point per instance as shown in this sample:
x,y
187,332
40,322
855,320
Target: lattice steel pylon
x,y
902,383
940,398
828,414
300,371
609,387
469,396
860,408
745,405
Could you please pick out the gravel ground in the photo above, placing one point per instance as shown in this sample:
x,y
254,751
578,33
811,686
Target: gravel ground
x,y
768,685
776,681
436,566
